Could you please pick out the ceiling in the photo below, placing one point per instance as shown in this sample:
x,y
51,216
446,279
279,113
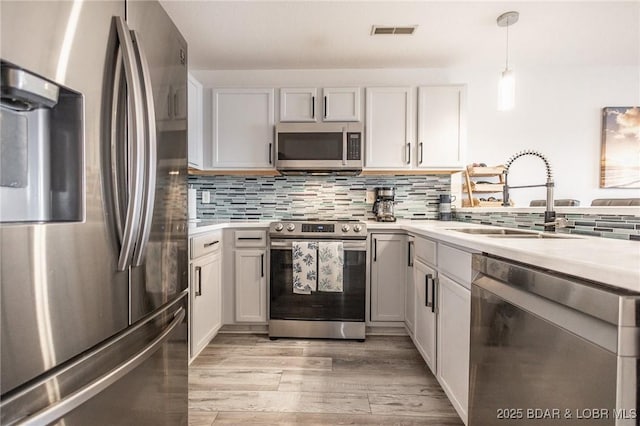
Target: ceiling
x,y
336,34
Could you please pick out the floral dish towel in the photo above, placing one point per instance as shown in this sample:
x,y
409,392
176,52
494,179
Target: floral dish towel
x,y
331,261
305,266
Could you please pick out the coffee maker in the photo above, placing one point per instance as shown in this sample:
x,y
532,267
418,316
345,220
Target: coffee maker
x,y
383,206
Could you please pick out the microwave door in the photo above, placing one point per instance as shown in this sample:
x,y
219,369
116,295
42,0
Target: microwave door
x,y
309,149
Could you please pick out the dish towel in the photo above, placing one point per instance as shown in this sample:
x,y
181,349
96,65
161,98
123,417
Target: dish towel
x,y
304,255
330,262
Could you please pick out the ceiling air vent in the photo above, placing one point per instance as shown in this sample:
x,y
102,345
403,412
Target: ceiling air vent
x,y
383,29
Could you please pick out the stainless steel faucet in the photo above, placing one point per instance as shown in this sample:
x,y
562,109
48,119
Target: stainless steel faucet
x,y
549,214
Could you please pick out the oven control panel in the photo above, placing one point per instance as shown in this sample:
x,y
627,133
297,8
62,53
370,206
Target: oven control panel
x,y
330,229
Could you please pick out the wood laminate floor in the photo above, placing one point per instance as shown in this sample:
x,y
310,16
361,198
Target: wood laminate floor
x,y
242,379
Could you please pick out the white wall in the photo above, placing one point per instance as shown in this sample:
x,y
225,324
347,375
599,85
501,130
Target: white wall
x,y
557,113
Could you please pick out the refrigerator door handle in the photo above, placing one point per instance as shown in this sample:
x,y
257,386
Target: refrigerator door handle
x,y
151,154
134,204
74,400
119,171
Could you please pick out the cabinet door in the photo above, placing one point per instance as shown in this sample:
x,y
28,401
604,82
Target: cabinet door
x,y
441,126
206,301
251,285
454,326
425,334
298,104
194,128
390,127
410,291
243,131
388,269
341,104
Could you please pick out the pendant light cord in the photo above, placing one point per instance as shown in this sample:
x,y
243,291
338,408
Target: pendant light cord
x,y
506,66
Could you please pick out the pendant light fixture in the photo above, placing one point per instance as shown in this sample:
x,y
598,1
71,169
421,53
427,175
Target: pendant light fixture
x,y
507,83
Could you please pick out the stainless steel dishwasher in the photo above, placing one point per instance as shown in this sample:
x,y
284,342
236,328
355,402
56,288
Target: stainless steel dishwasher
x,y
549,349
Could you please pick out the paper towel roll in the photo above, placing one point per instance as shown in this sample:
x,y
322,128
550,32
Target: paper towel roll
x,y
192,203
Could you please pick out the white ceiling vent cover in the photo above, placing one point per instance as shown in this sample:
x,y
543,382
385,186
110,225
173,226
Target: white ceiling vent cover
x,y
385,29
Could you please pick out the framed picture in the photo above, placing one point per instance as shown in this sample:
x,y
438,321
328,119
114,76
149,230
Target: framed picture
x,y
620,159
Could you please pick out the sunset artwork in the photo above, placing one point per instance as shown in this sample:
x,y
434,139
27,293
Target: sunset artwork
x,y
620,163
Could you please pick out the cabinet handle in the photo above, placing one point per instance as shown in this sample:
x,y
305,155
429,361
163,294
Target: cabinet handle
x,y
211,244
270,156
409,153
199,273
175,105
169,105
313,107
426,290
410,256
433,295
421,152
375,250
249,238
325,107
262,265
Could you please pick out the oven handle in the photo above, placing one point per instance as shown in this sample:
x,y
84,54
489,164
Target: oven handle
x,y
347,245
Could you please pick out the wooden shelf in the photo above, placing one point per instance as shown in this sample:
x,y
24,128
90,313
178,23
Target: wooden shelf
x,y
478,203
485,171
485,188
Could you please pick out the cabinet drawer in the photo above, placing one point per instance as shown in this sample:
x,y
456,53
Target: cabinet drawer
x,y
455,263
205,244
251,238
425,250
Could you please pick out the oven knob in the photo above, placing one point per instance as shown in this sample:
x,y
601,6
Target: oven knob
x,y
357,228
279,227
291,227
345,228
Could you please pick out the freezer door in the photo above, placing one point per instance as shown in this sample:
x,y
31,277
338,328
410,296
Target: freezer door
x,y
136,378
162,272
60,290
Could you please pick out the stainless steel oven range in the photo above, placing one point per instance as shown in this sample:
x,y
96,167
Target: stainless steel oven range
x,y
320,314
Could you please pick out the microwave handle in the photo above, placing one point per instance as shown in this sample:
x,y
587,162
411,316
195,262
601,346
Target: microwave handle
x,y
344,146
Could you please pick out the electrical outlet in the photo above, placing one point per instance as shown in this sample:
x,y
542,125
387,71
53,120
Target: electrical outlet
x,y
370,197
206,197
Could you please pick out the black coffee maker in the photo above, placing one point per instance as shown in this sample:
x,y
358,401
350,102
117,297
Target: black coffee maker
x,y
383,206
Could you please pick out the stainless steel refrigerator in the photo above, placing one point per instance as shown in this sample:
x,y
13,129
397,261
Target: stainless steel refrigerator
x,y
93,211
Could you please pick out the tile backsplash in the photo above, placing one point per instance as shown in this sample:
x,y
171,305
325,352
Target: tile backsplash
x,y
321,197
620,226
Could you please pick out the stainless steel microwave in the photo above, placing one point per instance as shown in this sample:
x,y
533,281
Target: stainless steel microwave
x,y
319,148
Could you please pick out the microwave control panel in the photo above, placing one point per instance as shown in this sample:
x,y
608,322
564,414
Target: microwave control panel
x,y
354,146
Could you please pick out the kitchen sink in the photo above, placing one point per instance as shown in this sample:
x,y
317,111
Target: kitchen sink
x,y
496,231
533,235
511,233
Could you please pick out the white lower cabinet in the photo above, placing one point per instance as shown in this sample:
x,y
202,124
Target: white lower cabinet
x,y
388,269
454,324
425,327
454,316
251,285
206,295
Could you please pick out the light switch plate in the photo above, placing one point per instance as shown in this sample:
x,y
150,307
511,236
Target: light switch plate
x,y
370,197
206,197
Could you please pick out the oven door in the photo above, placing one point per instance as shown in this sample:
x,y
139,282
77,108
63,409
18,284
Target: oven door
x,y
345,306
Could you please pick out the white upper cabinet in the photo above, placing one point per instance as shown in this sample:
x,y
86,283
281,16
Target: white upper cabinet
x,y
341,104
194,128
303,104
298,104
390,127
243,128
441,127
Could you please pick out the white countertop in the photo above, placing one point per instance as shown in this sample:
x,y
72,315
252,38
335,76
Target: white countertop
x,y
605,260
